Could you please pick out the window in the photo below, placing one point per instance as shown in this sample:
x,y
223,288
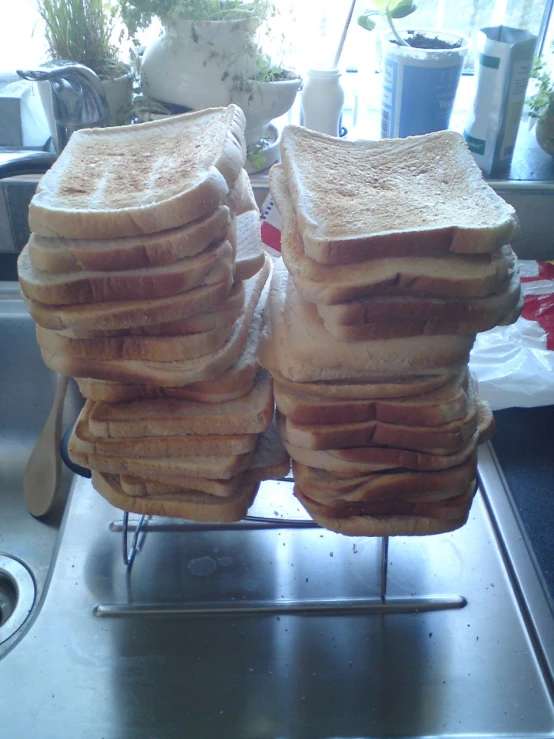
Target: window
x,y
311,28
307,33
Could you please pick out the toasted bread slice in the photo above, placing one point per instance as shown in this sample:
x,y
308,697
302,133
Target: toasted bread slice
x,y
83,441
223,314
148,348
270,461
214,467
451,276
407,329
131,180
400,519
437,407
193,506
416,196
175,417
404,485
378,388
446,439
347,463
171,374
59,255
128,313
354,462
234,383
296,344
250,254
208,267
391,309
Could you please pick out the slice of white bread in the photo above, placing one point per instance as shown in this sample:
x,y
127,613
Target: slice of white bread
x,y
250,254
251,414
223,314
234,383
447,403
354,462
210,266
193,506
147,348
378,388
84,441
449,276
270,461
367,460
296,344
210,466
172,374
446,439
407,328
59,255
129,180
385,309
435,517
87,286
391,486
128,313
421,195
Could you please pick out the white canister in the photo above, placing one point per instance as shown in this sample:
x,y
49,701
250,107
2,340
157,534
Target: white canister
x,y
322,100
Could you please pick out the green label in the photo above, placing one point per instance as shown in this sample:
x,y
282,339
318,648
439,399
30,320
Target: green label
x,y
489,61
477,146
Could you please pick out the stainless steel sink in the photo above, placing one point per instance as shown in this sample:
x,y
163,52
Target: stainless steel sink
x,y
27,545
151,652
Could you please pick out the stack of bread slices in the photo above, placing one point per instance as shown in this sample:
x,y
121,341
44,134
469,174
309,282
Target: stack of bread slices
x,y
397,255
147,280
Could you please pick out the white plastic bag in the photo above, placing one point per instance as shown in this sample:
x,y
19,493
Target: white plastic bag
x,y
513,366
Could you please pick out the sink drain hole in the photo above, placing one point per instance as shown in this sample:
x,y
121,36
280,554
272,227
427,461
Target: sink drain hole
x,y
17,595
8,598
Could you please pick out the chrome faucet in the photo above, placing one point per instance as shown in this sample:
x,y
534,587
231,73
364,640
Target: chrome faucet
x,y
78,97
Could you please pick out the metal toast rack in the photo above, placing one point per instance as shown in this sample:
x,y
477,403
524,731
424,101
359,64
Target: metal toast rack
x,y
135,530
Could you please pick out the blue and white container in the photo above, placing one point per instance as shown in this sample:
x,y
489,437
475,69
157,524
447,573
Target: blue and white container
x,y
419,85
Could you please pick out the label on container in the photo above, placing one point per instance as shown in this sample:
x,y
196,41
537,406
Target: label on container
x,y
505,60
417,98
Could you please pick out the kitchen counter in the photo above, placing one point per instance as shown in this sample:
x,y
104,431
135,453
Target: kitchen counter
x,y
524,445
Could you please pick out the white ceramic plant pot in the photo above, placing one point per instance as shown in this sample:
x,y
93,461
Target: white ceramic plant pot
x,y
419,85
196,64
262,102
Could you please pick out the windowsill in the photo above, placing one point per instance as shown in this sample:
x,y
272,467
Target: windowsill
x,y
531,167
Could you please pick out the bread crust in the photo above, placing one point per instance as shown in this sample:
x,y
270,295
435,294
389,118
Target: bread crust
x,y
296,344
193,506
395,525
345,197
450,276
92,193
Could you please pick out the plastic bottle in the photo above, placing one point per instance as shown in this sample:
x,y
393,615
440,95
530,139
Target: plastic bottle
x,y
322,100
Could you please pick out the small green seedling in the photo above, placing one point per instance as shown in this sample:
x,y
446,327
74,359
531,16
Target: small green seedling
x,y
391,10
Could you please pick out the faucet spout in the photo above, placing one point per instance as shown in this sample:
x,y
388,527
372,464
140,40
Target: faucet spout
x,y
78,97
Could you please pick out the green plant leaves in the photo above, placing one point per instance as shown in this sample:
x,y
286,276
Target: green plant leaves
x,y
403,9
365,20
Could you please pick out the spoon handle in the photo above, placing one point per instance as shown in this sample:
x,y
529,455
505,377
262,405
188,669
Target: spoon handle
x,y
42,478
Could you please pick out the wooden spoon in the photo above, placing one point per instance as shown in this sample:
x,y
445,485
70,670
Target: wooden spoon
x,y
43,474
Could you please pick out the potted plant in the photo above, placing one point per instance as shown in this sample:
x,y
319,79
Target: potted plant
x,y
541,104
209,54
81,31
421,72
